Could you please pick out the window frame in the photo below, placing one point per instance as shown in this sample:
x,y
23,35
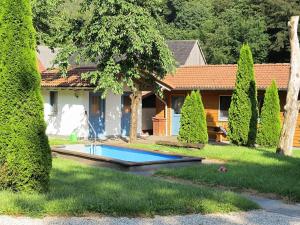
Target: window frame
x,y
54,107
222,119
177,95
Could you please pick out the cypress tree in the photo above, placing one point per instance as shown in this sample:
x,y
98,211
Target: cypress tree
x,y
185,123
243,110
25,156
193,128
269,126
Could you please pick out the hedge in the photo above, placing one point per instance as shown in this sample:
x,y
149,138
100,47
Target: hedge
x,y
25,156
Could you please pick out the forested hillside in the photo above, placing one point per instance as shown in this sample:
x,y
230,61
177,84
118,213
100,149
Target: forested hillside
x,y
221,26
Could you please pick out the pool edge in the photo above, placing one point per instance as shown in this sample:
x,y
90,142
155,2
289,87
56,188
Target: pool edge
x,y
126,164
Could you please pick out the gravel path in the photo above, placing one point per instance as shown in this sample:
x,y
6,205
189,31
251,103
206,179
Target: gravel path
x,y
259,217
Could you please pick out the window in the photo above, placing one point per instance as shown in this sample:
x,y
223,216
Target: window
x,y
126,104
53,102
177,103
96,107
224,107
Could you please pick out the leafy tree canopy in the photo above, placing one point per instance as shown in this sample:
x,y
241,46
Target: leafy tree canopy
x,y
276,14
46,19
221,26
124,48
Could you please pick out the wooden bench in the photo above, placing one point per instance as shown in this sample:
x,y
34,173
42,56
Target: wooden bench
x,y
219,131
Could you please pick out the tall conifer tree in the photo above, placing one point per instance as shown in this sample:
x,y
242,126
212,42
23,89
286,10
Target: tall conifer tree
x,y
243,110
269,126
193,128
25,157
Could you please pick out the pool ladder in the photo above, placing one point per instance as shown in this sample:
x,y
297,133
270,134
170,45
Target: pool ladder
x,y
92,149
93,143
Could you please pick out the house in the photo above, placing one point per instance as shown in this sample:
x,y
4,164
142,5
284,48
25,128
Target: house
x,y
72,106
216,84
186,53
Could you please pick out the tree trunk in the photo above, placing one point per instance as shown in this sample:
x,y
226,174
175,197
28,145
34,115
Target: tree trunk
x,y
136,97
291,108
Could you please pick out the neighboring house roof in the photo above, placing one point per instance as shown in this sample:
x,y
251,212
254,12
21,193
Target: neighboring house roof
x,y
40,65
207,77
46,56
182,50
222,77
73,79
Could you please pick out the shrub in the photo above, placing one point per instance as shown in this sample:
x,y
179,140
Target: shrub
x,y
193,128
25,156
243,111
269,126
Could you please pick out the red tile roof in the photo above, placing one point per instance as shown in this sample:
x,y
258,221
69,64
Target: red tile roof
x,y
222,77
53,78
207,77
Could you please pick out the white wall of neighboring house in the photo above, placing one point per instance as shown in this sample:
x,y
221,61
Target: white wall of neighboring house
x,y
70,117
113,113
196,57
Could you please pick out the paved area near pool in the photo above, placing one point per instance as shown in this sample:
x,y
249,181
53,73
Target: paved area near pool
x,y
276,206
259,217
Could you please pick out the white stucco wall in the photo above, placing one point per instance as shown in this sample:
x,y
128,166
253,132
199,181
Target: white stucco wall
x,y
70,115
113,113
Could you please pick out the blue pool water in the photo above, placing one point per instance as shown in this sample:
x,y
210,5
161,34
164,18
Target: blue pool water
x,y
125,154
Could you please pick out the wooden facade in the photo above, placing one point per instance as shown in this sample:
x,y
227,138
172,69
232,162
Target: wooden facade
x,y
211,102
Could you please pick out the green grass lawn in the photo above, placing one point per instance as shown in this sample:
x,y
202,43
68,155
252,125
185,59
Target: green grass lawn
x,y
260,170
77,190
63,141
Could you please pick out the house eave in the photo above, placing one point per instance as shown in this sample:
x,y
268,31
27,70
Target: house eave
x,y
66,88
217,89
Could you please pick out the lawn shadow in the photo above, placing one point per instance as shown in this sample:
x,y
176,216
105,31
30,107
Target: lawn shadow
x,y
81,190
270,173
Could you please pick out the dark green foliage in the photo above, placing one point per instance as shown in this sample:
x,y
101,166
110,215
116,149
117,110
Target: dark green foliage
x,y
269,126
220,26
276,14
120,45
47,19
25,159
243,111
193,128
122,38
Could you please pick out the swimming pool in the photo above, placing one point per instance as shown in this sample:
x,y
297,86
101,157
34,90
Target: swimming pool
x,y
121,156
122,153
